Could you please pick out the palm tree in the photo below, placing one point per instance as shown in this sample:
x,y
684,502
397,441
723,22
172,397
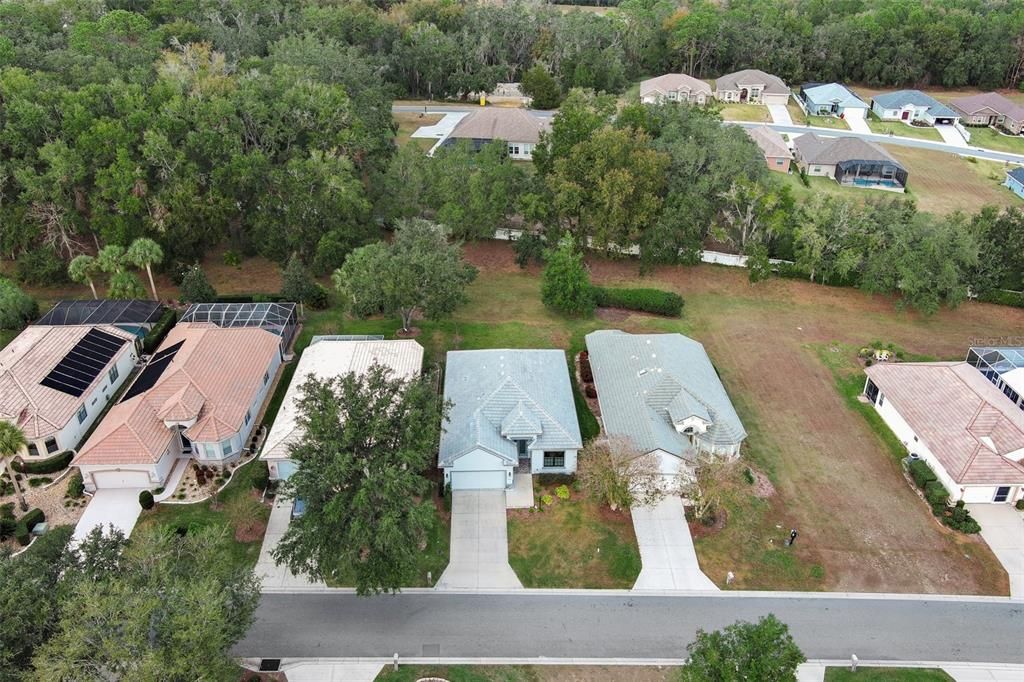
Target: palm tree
x,y
83,269
111,259
12,440
144,253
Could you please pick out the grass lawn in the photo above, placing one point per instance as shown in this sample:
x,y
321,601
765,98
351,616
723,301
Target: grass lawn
x,y
943,183
887,675
409,122
820,185
796,113
528,673
572,543
236,502
897,128
745,112
828,122
988,138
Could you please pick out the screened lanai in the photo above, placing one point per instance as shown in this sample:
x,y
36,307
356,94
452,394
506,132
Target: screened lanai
x,y
871,173
278,318
1004,367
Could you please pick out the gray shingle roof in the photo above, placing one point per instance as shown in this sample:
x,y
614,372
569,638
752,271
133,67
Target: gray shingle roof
x,y
645,381
989,100
497,394
771,143
674,81
773,85
830,151
1017,174
827,93
900,98
499,123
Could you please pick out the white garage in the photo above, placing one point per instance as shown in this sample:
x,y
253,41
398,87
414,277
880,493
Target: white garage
x,y
121,479
478,480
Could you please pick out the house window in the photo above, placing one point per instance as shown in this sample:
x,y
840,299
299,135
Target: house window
x,y
816,169
248,417
82,414
266,377
513,149
51,446
225,447
33,450
211,451
521,448
554,460
113,374
778,162
881,399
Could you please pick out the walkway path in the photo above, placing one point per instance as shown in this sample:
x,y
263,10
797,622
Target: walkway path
x,y
666,549
1002,526
479,544
780,114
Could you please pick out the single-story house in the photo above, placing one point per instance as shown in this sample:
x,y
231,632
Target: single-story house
x,y
1004,367
849,161
1015,181
776,152
198,397
949,415
990,109
137,317
751,86
512,411
327,357
674,87
662,393
832,99
910,106
56,380
517,127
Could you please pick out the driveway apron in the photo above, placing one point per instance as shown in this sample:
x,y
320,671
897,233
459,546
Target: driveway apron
x,y
479,544
1002,526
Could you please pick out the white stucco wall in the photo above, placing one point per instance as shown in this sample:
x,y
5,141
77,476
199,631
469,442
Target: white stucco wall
x,y
537,463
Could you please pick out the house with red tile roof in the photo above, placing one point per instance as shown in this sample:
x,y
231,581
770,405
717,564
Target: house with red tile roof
x,y
198,398
951,416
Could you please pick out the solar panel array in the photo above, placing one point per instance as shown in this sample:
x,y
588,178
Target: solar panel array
x,y
152,372
79,368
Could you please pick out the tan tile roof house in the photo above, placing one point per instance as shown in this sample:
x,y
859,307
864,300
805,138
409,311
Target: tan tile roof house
x,y
850,161
990,109
519,128
751,86
674,87
55,381
949,414
776,152
198,396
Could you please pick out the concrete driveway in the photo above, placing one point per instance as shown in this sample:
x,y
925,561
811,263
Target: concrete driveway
x,y
780,114
1002,526
110,506
479,544
858,124
950,135
274,577
666,549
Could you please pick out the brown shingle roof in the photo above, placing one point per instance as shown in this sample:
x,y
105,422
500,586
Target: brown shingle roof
x,y
214,376
38,410
966,422
773,85
672,82
829,151
497,123
770,142
991,100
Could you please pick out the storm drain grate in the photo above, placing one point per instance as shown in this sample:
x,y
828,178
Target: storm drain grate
x,y
431,651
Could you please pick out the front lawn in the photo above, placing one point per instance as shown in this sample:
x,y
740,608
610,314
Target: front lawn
x,y
988,138
571,542
411,121
887,675
529,673
832,122
758,113
903,130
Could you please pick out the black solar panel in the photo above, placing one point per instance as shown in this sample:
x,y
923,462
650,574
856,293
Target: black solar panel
x,y
83,363
152,371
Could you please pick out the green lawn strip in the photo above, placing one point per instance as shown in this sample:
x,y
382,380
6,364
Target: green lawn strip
x,y
904,130
202,515
987,138
886,675
828,122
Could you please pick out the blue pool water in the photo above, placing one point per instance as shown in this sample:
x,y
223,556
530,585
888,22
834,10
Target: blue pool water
x,y
866,182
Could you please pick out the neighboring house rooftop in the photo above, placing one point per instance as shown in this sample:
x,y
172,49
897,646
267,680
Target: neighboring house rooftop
x,y
332,356
202,374
827,93
828,151
499,123
773,85
504,393
671,82
103,311
990,100
645,382
1017,174
962,418
45,371
771,143
901,98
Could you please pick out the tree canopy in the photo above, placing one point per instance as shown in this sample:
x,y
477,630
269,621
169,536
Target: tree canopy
x,y
744,651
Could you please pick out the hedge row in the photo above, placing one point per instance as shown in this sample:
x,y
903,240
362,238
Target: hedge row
x,y
957,517
47,466
1003,297
156,335
644,300
23,531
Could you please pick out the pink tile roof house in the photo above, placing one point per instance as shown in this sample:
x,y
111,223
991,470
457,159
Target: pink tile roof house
x,y
207,386
975,433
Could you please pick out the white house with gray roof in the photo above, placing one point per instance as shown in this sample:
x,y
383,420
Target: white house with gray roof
x,y
512,411
662,392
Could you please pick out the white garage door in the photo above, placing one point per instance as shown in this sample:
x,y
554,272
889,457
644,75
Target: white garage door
x,y
121,479
854,112
478,480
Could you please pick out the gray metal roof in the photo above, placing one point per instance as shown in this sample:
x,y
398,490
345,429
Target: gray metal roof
x,y
900,98
502,393
645,381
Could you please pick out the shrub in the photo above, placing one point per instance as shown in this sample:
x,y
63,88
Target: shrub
x,y
16,307
547,499
528,248
76,486
52,465
232,258
936,493
41,267
565,282
146,500
22,535
319,297
26,523
921,473
562,492
960,519
36,482
590,391
1020,504
7,511
654,301
1003,297
261,477
447,497
156,335
7,528
748,476
195,288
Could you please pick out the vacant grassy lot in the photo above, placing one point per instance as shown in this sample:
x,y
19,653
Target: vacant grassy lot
x,y
941,94
572,543
409,122
943,183
887,675
897,128
990,139
745,112
529,673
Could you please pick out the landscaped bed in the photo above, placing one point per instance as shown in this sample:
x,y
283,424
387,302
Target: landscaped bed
x,y
529,673
887,675
569,540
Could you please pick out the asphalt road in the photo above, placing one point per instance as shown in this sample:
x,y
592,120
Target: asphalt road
x,y
795,129
621,625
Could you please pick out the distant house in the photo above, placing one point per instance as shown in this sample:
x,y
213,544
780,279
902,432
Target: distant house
x,y
751,86
1015,181
662,393
137,317
198,397
327,357
849,161
512,412
776,152
912,106
990,109
55,380
674,87
1004,367
949,415
519,129
832,99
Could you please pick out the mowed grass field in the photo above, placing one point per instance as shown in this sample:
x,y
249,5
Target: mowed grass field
x,y
745,112
904,130
943,183
990,139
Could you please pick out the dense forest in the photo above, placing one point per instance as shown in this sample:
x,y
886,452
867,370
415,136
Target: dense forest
x,y
265,125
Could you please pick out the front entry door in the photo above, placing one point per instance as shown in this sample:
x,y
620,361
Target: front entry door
x,y
1002,492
